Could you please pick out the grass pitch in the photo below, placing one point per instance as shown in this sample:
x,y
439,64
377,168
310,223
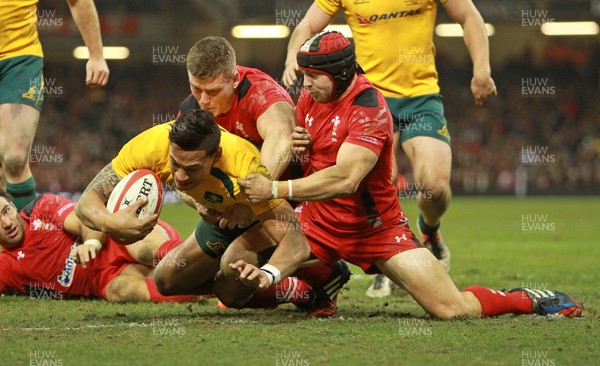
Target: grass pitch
x,y
548,243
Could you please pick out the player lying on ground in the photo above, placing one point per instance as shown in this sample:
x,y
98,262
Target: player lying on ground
x,y
204,162
48,253
352,211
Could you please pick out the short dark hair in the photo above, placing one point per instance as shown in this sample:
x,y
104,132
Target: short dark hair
x,y
196,129
210,57
5,194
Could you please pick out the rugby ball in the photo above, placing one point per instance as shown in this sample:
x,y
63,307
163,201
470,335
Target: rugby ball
x,y
137,184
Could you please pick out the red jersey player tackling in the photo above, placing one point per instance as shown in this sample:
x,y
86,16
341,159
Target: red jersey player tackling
x,y
244,101
353,211
42,256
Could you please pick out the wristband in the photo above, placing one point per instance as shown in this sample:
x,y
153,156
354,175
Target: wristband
x,y
272,273
290,189
94,242
274,189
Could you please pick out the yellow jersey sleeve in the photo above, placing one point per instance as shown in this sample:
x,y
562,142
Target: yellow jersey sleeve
x,y
331,7
148,150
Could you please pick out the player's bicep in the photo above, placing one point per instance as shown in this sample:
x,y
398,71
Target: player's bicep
x,y
279,220
278,120
320,15
460,10
72,224
356,161
104,182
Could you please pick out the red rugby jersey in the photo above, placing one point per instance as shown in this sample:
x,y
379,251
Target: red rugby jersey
x,y
362,118
257,91
42,266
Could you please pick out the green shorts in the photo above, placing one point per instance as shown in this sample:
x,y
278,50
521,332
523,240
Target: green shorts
x,y
213,240
419,116
22,81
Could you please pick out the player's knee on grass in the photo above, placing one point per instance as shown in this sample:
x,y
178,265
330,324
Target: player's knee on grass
x,y
164,280
233,254
127,289
232,293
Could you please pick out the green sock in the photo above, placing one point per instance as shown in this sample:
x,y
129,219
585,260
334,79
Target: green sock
x,y
426,229
22,193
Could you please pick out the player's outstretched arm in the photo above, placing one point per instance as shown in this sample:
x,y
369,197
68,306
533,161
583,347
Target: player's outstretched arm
x,y
283,226
86,18
353,163
124,224
276,126
476,40
313,22
92,240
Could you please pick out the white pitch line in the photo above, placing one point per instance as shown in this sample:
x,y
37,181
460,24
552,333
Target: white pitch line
x,y
88,326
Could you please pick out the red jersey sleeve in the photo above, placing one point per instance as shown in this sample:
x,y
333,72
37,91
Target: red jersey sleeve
x,y
52,208
370,127
263,93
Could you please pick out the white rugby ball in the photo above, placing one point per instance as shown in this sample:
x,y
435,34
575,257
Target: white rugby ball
x,y
137,184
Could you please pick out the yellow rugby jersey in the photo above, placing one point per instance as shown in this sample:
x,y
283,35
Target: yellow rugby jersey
x,y
18,29
394,42
150,150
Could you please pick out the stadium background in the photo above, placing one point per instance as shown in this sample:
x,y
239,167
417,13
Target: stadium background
x,y
543,140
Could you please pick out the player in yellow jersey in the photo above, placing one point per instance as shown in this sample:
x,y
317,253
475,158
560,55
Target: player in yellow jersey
x,y
204,162
22,85
394,46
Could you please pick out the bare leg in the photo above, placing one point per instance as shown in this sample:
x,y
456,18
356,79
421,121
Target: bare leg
x,y
129,285
143,250
228,289
185,269
431,161
422,276
18,123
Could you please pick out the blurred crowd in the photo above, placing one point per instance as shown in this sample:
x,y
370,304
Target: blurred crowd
x,y
540,135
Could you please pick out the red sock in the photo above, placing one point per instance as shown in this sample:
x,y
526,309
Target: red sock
x,y
157,297
165,248
495,302
316,275
289,289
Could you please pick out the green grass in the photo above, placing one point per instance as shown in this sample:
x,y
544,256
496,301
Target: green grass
x,y
489,247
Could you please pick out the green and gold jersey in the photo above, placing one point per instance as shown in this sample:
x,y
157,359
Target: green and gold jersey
x,y
150,150
394,42
18,29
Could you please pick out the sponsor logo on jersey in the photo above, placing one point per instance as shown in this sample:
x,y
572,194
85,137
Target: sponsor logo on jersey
x,y
386,16
213,197
68,272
